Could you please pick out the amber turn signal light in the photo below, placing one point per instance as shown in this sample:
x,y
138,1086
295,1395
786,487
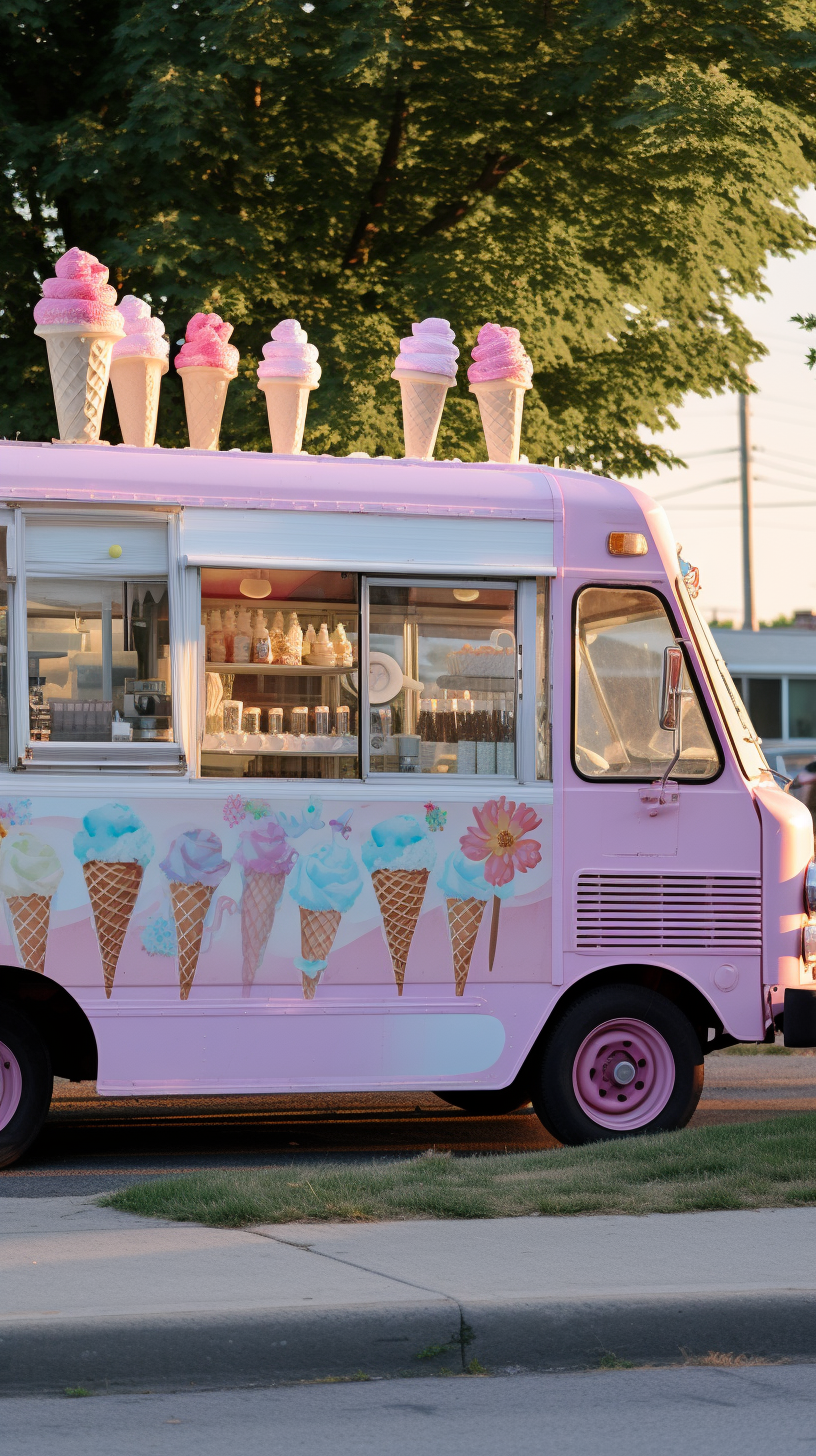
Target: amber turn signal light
x,y
626,543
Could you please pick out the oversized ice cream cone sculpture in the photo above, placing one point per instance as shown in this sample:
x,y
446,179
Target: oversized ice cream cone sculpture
x,y
464,919
426,369
206,361
258,905
399,894
136,382
205,394
286,403
78,320
287,374
30,916
423,400
501,406
499,376
190,906
113,889
79,361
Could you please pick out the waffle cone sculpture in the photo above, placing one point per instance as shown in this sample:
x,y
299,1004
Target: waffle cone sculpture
x,y
464,919
206,362
113,889
136,385
287,374
30,916
501,406
399,894
78,320
190,906
423,400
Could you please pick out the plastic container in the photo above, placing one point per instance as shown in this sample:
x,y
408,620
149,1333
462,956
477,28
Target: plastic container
x,y
233,712
300,720
322,720
251,720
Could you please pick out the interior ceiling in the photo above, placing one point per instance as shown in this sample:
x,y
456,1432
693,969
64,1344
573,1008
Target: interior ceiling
x,y
321,586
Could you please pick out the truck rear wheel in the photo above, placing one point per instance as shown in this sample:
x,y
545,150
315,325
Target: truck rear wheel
x,y
622,1061
26,1084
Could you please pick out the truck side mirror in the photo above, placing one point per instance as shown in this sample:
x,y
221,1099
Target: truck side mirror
x,y
670,698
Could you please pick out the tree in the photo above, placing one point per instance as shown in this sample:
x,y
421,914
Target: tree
x,y
605,174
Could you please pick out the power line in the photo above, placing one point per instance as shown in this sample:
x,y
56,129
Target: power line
x,y
693,489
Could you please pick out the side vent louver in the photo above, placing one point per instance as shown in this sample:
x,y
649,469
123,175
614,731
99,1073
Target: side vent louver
x,y
669,912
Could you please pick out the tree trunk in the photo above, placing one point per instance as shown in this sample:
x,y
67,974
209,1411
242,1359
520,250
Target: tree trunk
x,y
364,232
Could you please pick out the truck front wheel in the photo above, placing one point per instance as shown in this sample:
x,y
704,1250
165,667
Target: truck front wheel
x,y
622,1061
26,1084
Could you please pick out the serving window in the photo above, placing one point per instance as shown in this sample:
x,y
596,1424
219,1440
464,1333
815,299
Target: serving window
x,y
443,675
98,661
280,674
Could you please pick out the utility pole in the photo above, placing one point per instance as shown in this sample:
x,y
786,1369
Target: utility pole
x,y
749,616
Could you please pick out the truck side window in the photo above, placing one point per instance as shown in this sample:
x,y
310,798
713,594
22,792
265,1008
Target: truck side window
x,y
98,661
281,695
619,641
442,678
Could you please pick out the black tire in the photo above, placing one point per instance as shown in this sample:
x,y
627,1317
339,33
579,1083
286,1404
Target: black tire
x,y
490,1104
553,1093
31,1054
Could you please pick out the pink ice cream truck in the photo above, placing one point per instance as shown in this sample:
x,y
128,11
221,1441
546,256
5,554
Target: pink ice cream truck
x,y
333,774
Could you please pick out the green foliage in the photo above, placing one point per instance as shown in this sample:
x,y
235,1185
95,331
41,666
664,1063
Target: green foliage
x,y
604,174
807,321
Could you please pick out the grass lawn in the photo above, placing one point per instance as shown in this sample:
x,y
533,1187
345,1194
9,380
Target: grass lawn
x,y
746,1165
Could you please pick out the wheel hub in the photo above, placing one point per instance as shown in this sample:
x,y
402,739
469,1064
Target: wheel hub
x,y
11,1085
623,1074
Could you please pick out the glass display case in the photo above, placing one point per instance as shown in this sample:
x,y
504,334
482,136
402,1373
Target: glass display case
x,y
281,680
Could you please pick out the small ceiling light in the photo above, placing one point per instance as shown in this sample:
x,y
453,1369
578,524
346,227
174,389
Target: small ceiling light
x,y
626,543
465,594
255,585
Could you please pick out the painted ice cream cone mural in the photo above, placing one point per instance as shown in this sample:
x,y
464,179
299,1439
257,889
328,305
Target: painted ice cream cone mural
x,y
206,362
194,866
29,874
113,848
265,858
466,892
288,372
499,838
425,369
500,374
399,857
78,320
137,364
326,885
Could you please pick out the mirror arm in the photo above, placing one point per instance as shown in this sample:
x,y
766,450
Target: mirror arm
x,y
679,694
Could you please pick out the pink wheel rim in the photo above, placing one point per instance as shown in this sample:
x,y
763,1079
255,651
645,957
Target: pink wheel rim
x,y
11,1084
623,1074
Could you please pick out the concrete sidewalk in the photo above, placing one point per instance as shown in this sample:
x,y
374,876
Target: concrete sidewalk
x,y
94,1297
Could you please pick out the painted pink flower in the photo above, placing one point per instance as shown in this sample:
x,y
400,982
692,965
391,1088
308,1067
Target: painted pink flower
x,y
498,838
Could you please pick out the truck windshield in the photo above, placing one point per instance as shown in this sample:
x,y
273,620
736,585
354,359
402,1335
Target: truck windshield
x,y
740,728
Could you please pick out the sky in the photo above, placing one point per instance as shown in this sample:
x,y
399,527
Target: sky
x,y
783,422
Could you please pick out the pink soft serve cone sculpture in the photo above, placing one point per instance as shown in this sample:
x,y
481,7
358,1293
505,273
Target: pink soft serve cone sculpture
x,y
500,374
426,369
137,364
287,373
78,320
206,362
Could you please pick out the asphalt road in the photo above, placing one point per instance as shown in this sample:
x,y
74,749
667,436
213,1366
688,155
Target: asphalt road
x,y
91,1144
712,1412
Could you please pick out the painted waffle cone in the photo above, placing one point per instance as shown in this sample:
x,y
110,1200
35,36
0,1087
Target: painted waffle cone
x,y
464,919
30,915
286,403
317,931
136,382
205,394
309,985
423,400
113,888
501,405
190,906
400,894
258,905
79,361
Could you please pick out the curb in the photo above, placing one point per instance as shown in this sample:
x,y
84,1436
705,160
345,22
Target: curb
x,y
423,1338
